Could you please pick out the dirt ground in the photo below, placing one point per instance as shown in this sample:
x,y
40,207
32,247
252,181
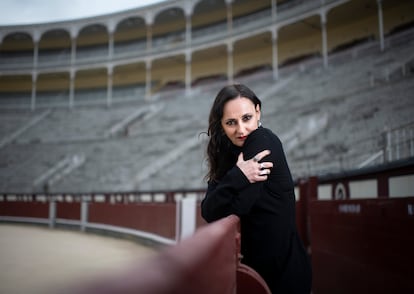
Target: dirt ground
x,y
42,260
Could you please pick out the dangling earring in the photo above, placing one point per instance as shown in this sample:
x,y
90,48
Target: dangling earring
x,y
259,123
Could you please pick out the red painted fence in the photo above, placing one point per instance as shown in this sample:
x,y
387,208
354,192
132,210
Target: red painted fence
x,y
362,245
157,218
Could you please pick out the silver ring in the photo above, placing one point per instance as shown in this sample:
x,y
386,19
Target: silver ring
x,y
262,173
255,159
261,165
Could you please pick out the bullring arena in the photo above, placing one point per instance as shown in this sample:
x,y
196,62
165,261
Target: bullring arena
x,y
103,121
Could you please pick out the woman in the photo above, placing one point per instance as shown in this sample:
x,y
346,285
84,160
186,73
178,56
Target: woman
x,y
249,176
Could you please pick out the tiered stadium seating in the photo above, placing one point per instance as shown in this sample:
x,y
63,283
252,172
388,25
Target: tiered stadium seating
x,y
328,119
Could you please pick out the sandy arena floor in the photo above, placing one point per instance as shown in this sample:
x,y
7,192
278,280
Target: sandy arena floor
x,y
42,260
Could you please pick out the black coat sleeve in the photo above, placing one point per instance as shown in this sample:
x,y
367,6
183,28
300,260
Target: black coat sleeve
x,y
234,194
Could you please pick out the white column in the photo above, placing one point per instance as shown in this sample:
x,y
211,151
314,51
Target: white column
x,y
324,40
149,38
275,58
72,88
73,51
35,54
230,63
111,32
73,44
188,56
188,72
148,81
188,36
73,35
34,86
381,25
52,213
111,45
149,20
84,214
36,40
109,87
229,17
274,10
186,217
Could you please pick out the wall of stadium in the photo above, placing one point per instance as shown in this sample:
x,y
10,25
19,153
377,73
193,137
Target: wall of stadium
x,y
180,42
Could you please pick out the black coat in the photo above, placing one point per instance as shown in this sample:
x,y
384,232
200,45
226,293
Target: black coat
x,y
270,243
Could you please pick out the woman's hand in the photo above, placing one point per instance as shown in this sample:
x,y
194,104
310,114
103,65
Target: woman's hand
x,y
254,170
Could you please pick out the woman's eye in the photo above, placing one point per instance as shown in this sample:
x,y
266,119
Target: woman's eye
x,y
230,123
247,117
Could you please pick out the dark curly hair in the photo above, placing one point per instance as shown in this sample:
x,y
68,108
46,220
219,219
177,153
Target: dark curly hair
x,y
219,155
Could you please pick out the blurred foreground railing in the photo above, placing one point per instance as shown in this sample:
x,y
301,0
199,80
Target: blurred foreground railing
x,y
205,263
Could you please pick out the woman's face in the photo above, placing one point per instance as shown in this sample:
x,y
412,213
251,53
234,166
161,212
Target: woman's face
x,y
240,118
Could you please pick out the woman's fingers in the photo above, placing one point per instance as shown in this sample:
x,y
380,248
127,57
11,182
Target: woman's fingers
x,y
260,176
259,156
263,168
254,170
265,165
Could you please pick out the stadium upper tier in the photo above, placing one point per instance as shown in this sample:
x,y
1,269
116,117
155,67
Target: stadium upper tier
x,y
179,43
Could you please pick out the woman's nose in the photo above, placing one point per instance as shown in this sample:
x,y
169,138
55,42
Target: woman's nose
x,y
240,128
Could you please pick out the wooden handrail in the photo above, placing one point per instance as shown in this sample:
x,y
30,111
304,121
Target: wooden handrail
x,y
205,263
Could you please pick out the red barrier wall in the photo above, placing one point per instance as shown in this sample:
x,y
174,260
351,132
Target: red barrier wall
x,y
24,209
307,192
363,246
157,218
68,210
